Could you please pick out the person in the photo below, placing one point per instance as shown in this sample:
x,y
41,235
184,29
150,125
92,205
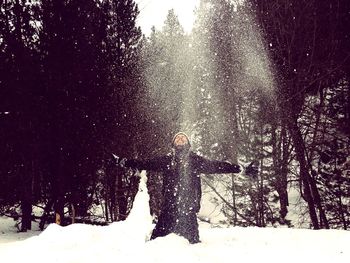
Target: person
x,y
182,185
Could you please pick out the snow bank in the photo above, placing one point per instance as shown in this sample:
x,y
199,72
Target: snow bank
x,y
126,241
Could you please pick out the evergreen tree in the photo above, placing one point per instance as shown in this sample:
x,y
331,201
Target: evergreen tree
x,y
21,110
118,115
88,59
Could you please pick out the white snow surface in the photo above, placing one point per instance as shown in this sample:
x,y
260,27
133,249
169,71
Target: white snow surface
x,y
127,241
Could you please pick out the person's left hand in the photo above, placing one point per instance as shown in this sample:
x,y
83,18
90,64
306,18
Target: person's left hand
x,y
252,170
118,161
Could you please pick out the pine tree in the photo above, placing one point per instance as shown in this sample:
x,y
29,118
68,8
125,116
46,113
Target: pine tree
x,y
20,106
118,118
88,59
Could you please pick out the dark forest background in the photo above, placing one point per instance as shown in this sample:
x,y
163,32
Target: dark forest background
x,y
267,80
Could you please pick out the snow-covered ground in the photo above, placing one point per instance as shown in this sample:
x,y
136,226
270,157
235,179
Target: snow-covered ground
x,y
127,242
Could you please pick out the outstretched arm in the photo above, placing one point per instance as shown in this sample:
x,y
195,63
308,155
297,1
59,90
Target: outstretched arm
x,y
156,164
211,167
207,166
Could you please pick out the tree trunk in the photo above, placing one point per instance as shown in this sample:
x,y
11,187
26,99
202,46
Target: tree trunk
x,y
341,211
46,215
59,211
323,219
121,197
305,178
26,208
280,157
58,187
112,197
234,200
26,195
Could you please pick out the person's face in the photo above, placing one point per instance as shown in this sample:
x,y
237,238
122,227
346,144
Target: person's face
x,y
180,141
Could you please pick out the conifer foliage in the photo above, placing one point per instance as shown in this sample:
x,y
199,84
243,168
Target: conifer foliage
x,y
66,66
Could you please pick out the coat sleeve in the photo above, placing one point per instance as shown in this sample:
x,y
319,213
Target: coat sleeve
x,y
207,166
157,164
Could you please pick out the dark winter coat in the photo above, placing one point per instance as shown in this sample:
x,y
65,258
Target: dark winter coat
x,y
181,190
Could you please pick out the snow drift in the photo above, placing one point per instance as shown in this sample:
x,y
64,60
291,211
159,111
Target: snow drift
x,y
127,241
